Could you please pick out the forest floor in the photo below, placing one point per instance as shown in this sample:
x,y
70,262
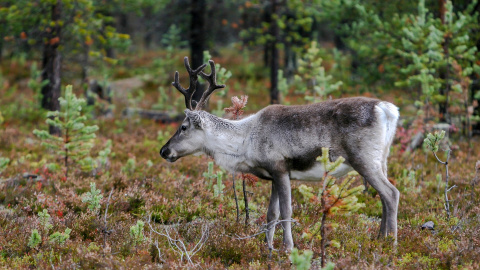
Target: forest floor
x,y
190,220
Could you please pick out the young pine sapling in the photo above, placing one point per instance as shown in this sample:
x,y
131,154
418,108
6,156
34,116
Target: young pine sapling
x,y
432,141
334,198
76,141
93,198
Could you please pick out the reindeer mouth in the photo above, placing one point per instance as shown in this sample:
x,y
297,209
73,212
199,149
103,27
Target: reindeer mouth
x,y
171,159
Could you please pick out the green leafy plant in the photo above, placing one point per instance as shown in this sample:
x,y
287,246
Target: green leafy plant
x,y
76,142
222,77
4,163
130,166
209,175
103,155
218,188
35,239
60,238
136,232
93,198
102,162
311,79
432,142
335,198
301,261
36,84
45,220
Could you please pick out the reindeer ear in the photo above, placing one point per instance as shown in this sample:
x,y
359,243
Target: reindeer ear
x,y
195,118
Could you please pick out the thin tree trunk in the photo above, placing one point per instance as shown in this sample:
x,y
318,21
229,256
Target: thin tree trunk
x,y
1,48
443,106
52,66
323,232
274,64
86,50
197,39
148,37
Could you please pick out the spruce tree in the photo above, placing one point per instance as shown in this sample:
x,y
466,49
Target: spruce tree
x,y
76,140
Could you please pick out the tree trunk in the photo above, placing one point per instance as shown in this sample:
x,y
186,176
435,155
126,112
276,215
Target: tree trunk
x,y
197,39
148,37
445,74
1,47
86,50
52,66
475,82
274,64
267,47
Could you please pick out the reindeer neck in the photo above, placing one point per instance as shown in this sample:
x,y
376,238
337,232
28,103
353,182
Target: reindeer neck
x,y
227,140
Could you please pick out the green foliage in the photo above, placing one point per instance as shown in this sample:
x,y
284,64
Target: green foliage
x,y
36,84
222,77
218,188
311,79
85,26
136,232
60,238
103,155
76,142
282,84
130,166
4,163
437,55
432,140
93,198
293,19
209,175
171,41
301,261
35,239
329,266
102,162
45,220
222,73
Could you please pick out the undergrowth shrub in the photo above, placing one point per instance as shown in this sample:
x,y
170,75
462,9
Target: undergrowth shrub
x,y
93,198
136,233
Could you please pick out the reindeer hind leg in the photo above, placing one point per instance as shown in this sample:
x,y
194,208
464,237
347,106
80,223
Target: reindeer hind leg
x,y
272,216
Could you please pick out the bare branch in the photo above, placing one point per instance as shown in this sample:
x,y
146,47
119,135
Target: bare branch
x,y
265,228
172,236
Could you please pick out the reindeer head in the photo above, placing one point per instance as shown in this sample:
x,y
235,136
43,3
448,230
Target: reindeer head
x,y
190,136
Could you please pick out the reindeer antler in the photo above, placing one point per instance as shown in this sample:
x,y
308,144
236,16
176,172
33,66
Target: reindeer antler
x,y
193,74
212,80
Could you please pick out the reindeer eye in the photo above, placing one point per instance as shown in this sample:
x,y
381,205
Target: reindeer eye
x,y
184,128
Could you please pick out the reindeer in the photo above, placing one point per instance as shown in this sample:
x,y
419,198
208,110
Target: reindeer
x,y
281,143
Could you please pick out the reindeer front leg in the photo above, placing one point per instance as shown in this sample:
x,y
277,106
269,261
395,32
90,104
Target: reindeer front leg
x,y
283,188
272,216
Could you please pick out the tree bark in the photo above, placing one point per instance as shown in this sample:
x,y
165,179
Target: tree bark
x,y
52,65
197,39
274,64
147,20
445,74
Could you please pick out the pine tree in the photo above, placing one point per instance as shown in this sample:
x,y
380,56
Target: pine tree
x,y
311,78
76,140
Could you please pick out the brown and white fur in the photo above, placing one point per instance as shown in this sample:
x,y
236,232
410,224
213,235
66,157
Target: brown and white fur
x,y
281,143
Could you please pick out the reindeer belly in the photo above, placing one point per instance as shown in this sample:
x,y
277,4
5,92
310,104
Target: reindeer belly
x,y
316,172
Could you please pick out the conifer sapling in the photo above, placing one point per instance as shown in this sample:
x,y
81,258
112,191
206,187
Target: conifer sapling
x,y
76,141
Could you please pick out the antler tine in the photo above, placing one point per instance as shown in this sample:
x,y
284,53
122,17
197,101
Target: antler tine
x,y
212,80
193,74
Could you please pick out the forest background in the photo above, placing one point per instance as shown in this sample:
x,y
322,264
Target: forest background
x,y
85,187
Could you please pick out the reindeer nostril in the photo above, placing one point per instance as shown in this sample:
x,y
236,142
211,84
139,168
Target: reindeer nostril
x,y
165,152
